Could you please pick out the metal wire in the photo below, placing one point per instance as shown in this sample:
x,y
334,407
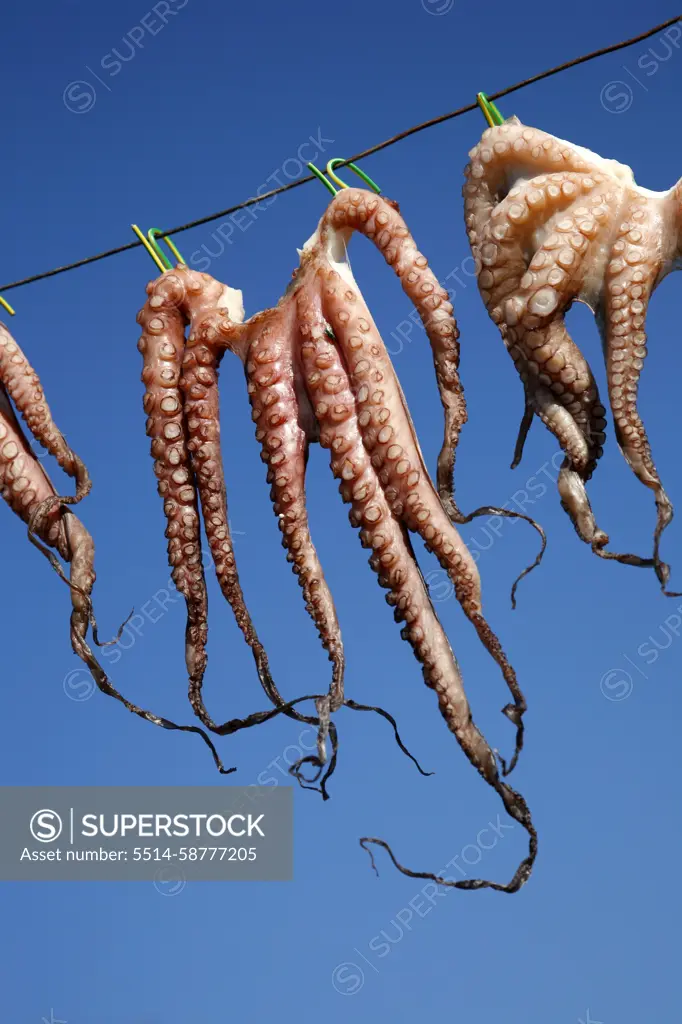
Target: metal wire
x,y
358,156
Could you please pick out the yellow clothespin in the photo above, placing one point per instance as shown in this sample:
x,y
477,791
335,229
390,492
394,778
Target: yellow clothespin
x,y
5,305
153,248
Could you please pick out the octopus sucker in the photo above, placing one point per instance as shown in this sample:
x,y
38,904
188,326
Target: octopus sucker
x,y
558,224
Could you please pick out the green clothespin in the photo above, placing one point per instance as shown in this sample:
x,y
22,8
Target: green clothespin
x,y
353,167
489,110
330,171
153,248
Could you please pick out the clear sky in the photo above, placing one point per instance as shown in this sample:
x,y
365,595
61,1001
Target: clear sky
x,y
190,117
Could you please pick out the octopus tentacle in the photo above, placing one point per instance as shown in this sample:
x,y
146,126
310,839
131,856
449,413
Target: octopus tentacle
x,y
388,434
284,440
201,405
630,283
28,489
212,331
524,428
162,345
379,220
394,561
24,387
24,484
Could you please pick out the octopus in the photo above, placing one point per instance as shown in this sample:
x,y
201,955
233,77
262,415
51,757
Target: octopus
x,y
52,525
551,223
318,371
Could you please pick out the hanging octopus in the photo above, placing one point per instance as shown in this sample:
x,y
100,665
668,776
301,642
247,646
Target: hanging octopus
x,y
551,223
52,526
318,370
182,403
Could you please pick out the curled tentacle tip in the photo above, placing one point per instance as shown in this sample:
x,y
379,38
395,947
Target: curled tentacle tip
x,y
369,853
296,769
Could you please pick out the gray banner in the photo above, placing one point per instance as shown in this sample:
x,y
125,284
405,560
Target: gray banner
x,y
165,834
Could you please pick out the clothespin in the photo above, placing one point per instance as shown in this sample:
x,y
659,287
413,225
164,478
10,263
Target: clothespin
x,y
489,110
153,248
5,305
330,171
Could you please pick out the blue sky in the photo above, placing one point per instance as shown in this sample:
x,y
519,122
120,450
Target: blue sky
x,y
207,107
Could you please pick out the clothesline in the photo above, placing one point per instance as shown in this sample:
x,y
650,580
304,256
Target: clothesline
x,y
358,156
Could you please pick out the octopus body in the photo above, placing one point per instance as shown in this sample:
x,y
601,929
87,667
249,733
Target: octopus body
x,y
551,223
318,370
